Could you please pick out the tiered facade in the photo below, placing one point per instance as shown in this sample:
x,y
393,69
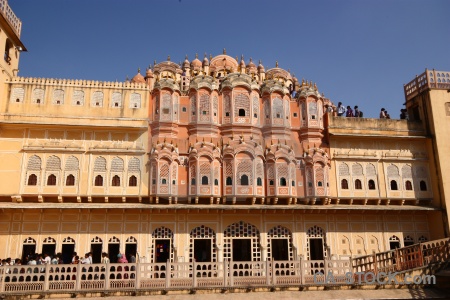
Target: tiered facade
x,y
210,160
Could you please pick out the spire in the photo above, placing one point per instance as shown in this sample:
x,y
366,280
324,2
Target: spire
x,y
168,57
196,55
224,51
276,64
210,57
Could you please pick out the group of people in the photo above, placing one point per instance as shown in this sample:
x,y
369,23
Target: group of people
x,y
349,112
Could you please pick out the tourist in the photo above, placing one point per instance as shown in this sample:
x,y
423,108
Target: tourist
x,y
349,113
387,114
47,260
55,260
74,254
403,114
105,258
76,260
340,109
122,259
86,260
382,114
358,113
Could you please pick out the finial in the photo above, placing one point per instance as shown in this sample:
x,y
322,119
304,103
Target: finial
x,y
196,55
276,64
127,79
251,59
154,62
186,57
139,70
315,86
242,56
168,57
210,57
237,58
224,51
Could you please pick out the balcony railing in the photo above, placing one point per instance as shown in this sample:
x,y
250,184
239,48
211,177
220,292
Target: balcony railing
x,y
11,17
430,79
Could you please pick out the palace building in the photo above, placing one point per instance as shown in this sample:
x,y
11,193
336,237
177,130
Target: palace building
x,y
212,160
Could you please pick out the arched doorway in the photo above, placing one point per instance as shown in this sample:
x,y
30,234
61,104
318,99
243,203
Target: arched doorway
x,y
201,246
113,249
131,248
315,243
28,248
394,242
68,248
96,249
49,246
162,245
241,242
279,246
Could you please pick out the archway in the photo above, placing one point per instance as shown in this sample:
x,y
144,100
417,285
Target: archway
x,y
279,245
68,248
315,241
202,245
241,242
162,245
28,248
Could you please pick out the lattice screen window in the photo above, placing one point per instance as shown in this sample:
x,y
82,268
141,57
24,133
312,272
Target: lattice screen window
x,y
154,171
17,95
271,174
277,108
117,164
205,233
116,99
71,164
38,96
320,180
192,173
131,240
78,97
241,230
68,240
204,108
241,105
29,241
157,108
166,107
114,240
282,172
303,111
279,232
97,99
255,107
370,170
394,238
227,105
215,108
357,169
286,108
314,232
216,173
96,240
266,111
193,103
135,100
161,233
244,167
174,176
53,163
406,171
175,107
392,171
49,240
134,165
205,170
34,163
164,174
312,110
58,97
259,170
292,174
344,170
100,164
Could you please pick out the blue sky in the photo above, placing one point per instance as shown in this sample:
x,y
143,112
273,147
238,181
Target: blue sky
x,y
358,52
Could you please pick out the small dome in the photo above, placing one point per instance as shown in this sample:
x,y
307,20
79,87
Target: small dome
x,y
196,63
251,64
205,61
138,77
149,73
186,63
260,67
242,62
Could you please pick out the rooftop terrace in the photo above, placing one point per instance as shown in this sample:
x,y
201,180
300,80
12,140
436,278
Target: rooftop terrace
x,y
430,79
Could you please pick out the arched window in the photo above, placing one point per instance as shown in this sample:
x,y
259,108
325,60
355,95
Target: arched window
x,y
423,186
163,181
244,180
371,184
216,182
344,184
319,183
115,181
229,181
394,186
282,181
270,182
259,181
98,180
408,185
32,180
204,180
8,46
51,180
293,183
241,112
193,181
358,185
70,180
132,181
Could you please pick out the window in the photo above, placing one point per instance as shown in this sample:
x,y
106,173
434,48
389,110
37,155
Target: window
x,y
153,181
204,180
132,181
32,180
282,181
423,186
259,181
371,184
241,112
229,181
163,181
244,180
344,184
358,185
115,180
216,182
408,185
255,115
98,180
295,115
319,183
204,112
70,180
394,186
8,46
174,182
227,114
51,180
193,181
183,109
271,182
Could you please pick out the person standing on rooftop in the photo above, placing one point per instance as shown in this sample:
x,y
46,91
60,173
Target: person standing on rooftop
x,y
340,109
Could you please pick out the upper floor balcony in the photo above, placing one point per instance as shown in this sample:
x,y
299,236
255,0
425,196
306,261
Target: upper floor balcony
x,y
430,79
11,17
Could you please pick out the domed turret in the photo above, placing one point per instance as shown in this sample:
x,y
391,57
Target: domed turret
x,y
138,78
242,64
205,61
196,63
261,67
251,67
186,63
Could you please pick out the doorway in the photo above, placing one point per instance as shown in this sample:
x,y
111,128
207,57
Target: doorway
x,y
316,249
96,250
202,250
394,245
67,252
280,249
28,250
113,251
242,250
49,249
130,249
162,250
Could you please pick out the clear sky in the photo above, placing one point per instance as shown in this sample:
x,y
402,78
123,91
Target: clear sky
x,y
358,52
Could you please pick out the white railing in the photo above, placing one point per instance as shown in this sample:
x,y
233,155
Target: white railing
x,y
164,276
13,20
